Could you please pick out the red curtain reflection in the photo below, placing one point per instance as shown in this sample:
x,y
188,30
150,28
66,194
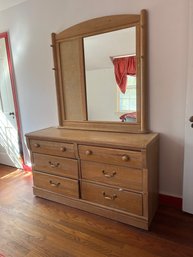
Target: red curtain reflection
x,y
122,67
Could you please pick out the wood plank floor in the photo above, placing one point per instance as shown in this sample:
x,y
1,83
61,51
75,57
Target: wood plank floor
x,y
33,227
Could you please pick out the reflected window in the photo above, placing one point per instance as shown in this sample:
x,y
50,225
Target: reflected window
x,y
127,101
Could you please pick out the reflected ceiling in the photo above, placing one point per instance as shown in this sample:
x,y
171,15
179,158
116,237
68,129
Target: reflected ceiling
x,y
5,4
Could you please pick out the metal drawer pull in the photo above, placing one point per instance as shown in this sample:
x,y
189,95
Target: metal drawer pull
x,y
109,175
37,145
125,158
63,149
54,184
88,152
109,197
54,165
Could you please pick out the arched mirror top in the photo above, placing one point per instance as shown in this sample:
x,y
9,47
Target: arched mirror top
x,y
100,69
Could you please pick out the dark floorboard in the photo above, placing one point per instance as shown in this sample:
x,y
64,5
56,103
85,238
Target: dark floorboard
x,y
34,227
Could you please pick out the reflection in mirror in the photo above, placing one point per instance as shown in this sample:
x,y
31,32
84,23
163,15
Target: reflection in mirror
x,y
110,70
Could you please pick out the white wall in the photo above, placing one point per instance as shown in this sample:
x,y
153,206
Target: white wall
x,y
101,101
30,25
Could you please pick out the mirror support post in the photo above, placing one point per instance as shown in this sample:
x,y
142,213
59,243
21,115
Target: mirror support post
x,y
60,104
144,75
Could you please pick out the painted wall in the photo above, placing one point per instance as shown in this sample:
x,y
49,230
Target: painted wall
x,y
101,101
30,25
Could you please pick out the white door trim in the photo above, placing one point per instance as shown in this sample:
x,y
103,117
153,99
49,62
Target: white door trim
x,y
188,143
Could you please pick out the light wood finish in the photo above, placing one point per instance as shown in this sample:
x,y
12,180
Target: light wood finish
x,y
71,55
107,212
133,156
112,156
59,92
144,70
34,227
54,148
115,140
55,184
98,25
112,175
112,197
123,127
70,72
152,178
56,165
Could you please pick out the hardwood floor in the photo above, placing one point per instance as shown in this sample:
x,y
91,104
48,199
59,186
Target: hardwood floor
x,y
33,227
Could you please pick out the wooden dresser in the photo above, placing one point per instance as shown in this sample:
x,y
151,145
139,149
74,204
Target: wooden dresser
x,y
111,174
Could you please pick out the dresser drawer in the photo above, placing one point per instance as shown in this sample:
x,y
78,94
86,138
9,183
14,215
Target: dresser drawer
x,y
63,186
112,156
113,175
55,165
52,148
111,197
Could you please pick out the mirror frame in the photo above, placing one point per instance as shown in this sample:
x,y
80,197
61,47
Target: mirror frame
x,y
75,34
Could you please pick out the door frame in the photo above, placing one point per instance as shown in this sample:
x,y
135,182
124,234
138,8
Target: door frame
x,y
188,142
5,35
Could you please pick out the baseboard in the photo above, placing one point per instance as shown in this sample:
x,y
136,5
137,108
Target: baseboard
x,y
171,201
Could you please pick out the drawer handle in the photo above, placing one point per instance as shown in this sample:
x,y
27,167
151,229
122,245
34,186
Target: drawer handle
x,y
125,158
63,149
88,152
109,197
54,165
36,145
54,184
109,175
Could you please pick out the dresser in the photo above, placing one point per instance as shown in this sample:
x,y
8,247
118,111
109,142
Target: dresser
x,y
93,160
111,174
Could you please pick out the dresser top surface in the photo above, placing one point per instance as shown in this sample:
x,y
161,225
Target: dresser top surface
x,y
94,137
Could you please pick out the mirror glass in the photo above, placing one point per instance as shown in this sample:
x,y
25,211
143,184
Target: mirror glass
x,y
110,72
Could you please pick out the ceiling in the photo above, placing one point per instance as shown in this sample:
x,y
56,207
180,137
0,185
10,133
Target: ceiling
x,y
121,42
5,4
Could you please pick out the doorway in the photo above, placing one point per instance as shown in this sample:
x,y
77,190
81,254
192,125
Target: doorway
x,y
188,160
10,137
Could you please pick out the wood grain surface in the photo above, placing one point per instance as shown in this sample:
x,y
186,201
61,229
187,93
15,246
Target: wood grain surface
x,y
33,227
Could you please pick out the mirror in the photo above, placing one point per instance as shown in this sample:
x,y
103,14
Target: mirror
x,y
100,70
113,57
